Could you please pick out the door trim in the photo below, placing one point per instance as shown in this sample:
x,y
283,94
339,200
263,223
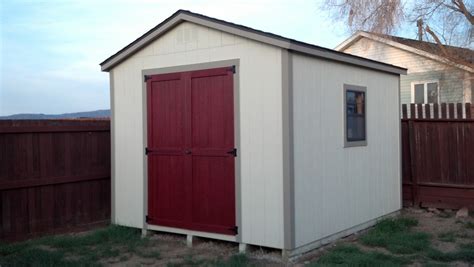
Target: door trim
x,y
236,88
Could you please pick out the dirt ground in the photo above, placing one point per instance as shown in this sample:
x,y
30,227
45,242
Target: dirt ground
x,y
446,230
204,252
434,238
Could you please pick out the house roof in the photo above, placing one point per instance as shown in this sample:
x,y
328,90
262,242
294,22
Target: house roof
x,y
243,31
458,56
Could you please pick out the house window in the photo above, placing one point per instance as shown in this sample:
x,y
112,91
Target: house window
x,y
355,125
425,92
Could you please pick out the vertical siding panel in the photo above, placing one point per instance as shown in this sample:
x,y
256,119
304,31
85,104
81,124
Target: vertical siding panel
x,y
335,187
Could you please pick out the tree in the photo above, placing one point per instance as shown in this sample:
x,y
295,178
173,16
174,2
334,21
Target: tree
x,y
444,22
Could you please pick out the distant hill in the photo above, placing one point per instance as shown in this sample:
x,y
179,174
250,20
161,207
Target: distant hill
x,y
86,114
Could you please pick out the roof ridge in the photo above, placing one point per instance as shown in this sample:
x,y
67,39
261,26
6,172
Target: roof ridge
x,y
415,40
458,55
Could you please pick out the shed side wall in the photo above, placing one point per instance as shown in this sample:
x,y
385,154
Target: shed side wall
x,y
260,101
337,188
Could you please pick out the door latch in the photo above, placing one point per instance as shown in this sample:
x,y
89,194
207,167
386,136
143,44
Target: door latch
x,y
233,152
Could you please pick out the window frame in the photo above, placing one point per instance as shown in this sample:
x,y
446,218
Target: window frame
x,y
425,90
355,88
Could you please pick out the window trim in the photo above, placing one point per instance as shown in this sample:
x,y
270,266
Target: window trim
x,y
425,90
357,88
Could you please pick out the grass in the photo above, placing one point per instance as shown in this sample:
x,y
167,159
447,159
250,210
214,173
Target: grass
x,y
69,250
234,261
395,236
115,242
465,253
349,255
445,215
237,260
447,236
398,237
469,225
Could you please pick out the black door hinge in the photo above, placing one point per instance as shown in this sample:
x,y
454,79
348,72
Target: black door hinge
x,y
147,219
232,69
233,152
235,230
147,151
146,77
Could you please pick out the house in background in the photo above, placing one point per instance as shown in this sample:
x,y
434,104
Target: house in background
x,y
432,77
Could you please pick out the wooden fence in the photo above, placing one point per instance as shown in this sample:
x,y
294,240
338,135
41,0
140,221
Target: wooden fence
x,y
54,176
438,158
438,111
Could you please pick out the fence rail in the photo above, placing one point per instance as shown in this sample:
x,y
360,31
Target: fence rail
x,y
438,161
54,176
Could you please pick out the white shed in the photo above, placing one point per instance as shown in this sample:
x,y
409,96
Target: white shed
x,y
227,132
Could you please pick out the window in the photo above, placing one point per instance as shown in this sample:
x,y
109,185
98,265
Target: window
x,y
355,102
425,92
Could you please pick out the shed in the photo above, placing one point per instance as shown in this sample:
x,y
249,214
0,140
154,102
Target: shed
x,y
227,132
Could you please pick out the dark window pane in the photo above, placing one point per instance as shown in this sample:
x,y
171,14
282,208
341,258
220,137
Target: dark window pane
x,y
432,92
419,93
355,115
355,128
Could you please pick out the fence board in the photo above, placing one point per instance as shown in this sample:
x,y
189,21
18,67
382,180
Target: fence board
x,y
404,112
436,111
443,111
54,176
427,111
451,110
459,109
468,110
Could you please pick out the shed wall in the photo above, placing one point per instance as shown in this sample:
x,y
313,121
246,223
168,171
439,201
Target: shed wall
x,y
337,188
260,106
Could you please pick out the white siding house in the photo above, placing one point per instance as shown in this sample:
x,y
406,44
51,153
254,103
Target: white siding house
x,y
299,180
452,81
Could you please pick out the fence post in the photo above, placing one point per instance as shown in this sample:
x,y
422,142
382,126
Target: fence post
x,y
414,176
412,111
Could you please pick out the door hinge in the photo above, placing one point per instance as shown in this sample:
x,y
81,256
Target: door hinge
x,y
146,77
232,69
147,219
147,151
235,229
233,152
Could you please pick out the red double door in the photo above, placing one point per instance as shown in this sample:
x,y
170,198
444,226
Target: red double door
x,y
191,155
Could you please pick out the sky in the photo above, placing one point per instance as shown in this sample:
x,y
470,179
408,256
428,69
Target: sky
x,y
51,50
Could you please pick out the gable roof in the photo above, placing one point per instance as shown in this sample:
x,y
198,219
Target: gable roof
x,y
243,31
462,58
